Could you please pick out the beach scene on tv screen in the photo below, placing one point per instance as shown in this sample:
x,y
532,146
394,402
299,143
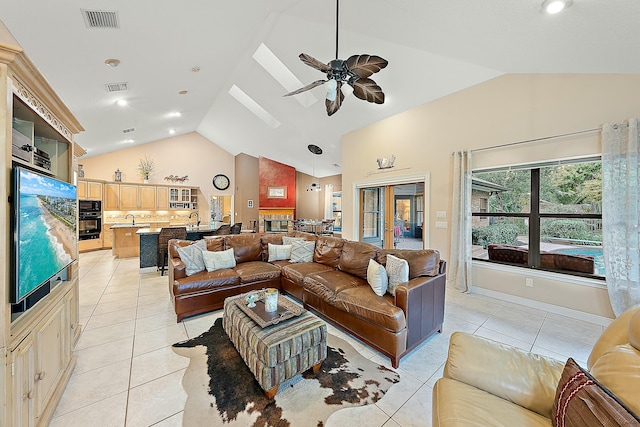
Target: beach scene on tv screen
x,y
47,229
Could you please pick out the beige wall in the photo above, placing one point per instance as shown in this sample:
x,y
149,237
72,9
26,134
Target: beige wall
x,y
503,110
190,154
310,204
247,188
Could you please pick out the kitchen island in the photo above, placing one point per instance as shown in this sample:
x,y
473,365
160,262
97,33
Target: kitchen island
x,y
125,239
149,241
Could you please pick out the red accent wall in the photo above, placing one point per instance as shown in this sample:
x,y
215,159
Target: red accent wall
x,y
275,174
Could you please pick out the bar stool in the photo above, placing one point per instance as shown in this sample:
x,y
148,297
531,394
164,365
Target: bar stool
x,y
166,234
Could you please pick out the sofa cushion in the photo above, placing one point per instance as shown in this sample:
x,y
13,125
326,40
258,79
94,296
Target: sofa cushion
x,y
215,243
380,310
458,404
246,247
355,256
279,252
618,370
205,281
398,271
423,262
297,272
377,278
256,271
302,251
191,256
219,260
328,251
327,284
582,401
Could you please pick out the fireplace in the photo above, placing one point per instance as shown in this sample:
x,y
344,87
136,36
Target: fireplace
x,y
275,220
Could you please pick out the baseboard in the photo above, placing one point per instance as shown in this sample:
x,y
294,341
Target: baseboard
x,y
563,311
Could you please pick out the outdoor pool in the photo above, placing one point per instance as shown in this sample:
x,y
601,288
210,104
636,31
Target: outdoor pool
x,y
594,251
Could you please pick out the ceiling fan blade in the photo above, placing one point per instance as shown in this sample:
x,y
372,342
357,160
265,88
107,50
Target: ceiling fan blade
x,y
368,90
314,63
365,65
307,87
333,106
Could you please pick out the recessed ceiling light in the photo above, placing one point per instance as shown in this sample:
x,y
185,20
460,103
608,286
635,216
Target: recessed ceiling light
x,y
555,6
112,62
195,69
172,131
182,92
121,102
129,141
175,114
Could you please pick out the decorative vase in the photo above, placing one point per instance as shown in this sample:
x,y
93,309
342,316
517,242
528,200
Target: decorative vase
x,y
270,300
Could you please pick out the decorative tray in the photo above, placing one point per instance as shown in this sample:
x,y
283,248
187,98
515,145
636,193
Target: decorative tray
x,y
286,310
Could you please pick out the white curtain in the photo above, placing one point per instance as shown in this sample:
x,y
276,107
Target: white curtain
x,y
328,201
460,258
621,213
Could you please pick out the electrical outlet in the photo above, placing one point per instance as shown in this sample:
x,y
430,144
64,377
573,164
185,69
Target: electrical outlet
x,y
528,282
441,224
441,214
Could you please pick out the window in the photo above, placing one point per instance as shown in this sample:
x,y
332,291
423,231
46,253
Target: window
x,y
336,206
548,217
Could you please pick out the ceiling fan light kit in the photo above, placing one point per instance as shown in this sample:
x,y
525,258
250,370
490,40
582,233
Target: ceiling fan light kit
x,y
355,72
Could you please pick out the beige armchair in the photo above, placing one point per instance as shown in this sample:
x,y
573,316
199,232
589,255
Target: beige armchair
x,y
486,383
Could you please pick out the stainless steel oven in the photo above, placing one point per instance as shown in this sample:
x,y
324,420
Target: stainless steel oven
x,y
89,219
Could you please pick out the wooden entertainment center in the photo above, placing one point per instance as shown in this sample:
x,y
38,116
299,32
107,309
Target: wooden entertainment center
x,y
36,344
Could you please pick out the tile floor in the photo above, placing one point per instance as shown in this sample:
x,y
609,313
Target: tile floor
x,y
127,374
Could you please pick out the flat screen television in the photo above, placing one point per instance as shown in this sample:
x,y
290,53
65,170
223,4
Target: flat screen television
x,y
44,231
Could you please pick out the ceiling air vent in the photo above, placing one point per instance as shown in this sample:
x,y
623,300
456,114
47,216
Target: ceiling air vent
x,y
100,19
128,130
117,87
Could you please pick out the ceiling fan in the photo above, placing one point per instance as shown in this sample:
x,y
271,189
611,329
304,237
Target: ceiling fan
x,y
355,71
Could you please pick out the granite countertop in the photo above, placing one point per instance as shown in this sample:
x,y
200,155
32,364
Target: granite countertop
x,y
190,229
122,225
146,222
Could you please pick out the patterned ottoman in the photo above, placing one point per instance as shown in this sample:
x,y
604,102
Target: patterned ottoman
x,y
278,352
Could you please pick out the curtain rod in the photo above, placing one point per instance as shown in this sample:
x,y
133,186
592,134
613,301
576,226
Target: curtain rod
x,y
538,139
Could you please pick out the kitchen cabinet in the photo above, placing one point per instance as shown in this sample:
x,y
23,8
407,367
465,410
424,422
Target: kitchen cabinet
x,y
128,197
147,199
107,236
89,190
111,201
163,198
183,198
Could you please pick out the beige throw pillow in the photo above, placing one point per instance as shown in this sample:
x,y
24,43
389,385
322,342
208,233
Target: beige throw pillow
x,y
288,240
377,278
279,252
398,271
302,251
219,260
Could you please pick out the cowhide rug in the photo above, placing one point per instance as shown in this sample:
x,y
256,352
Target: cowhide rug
x,y
221,390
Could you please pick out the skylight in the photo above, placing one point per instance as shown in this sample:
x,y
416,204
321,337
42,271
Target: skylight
x,y
253,106
282,74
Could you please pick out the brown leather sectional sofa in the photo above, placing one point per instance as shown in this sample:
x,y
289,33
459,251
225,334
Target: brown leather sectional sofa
x,y
334,286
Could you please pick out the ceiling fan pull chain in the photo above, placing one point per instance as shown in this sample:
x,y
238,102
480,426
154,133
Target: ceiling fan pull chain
x,y
337,13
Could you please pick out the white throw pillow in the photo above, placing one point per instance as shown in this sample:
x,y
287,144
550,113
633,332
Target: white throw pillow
x,y
287,240
377,278
302,251
218,260
279,252
192,256
398,271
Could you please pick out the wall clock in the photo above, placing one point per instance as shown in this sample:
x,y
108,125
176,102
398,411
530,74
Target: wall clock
x,y
221,182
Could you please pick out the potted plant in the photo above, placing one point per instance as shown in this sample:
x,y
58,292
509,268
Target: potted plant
x,y
146,167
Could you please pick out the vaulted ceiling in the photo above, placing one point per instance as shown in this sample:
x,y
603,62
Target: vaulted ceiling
x,y
434,48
